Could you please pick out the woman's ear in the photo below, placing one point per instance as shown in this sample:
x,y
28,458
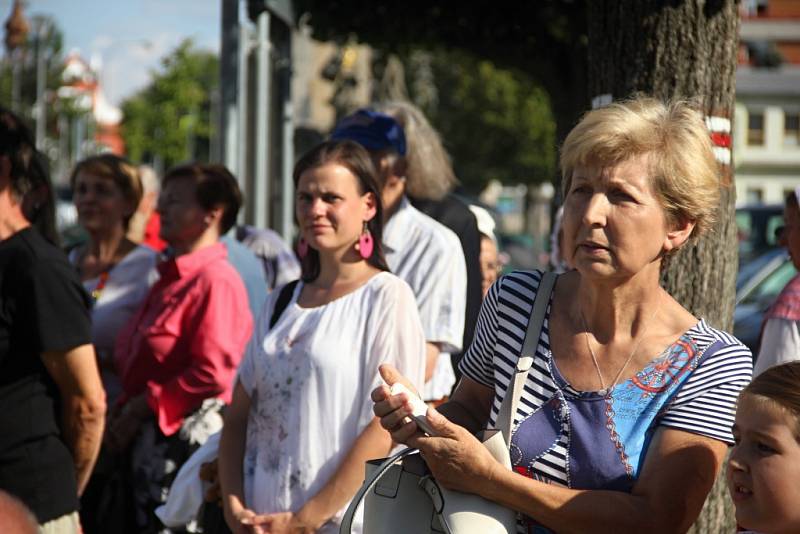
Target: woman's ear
x,y
370,206
678,235
214,216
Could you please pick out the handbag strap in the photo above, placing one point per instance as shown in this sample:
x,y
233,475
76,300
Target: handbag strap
x,y
505,416
347,520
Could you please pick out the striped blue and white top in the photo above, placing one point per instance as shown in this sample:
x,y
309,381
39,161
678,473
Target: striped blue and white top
x,y
585,439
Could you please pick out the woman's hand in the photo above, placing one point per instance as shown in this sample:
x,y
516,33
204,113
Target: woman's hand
x,y
456,458
393,410
242,520
281,523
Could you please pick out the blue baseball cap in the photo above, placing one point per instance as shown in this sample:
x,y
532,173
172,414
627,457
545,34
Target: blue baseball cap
x,y
372,130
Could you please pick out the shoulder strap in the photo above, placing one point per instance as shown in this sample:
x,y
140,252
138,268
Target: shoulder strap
x,y
505,417
283,300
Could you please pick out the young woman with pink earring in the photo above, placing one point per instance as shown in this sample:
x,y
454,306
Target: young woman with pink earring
x,y
300,426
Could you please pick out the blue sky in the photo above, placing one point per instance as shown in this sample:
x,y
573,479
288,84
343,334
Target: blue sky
x,y
128,36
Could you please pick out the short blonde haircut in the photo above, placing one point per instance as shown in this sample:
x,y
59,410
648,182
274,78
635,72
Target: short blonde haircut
x,y
429,171
119,170
676,141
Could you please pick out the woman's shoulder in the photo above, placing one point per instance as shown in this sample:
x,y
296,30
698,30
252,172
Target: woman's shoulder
x,y
707,334
386,282
219,274
141,256
727,350
523,284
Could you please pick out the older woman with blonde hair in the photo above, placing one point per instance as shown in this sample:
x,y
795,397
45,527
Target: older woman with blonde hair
x,y
625,415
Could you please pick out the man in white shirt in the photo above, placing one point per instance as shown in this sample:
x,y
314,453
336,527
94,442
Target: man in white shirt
x,y
421,251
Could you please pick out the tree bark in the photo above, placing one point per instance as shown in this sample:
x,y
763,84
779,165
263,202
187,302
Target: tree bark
x,y
681,49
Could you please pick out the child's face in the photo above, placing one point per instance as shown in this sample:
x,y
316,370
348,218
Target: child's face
x,y
764,468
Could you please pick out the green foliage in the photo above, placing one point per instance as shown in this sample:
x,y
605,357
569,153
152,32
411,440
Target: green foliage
x,y
527,70
51,46
530,35
170,119
496,123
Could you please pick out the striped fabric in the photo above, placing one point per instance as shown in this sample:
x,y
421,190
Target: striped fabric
x,y
700,399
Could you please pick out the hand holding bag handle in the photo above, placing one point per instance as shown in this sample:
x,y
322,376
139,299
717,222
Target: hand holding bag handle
x,y
455,507
366,487
464,513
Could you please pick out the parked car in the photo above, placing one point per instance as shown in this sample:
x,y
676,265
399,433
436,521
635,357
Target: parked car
x,y
756,226
757,286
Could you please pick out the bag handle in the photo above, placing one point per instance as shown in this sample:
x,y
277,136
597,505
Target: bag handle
x,y
347,521
508,408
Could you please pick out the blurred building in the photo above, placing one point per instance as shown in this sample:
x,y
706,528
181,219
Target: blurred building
x,y
767,117
81,85
329,80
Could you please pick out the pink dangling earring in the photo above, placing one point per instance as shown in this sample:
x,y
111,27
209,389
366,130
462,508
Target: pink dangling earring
x,y
302,248
365,243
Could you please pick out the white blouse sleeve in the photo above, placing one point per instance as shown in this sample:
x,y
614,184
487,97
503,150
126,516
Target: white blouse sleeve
x,y
395,336
440,291
780,343
246,374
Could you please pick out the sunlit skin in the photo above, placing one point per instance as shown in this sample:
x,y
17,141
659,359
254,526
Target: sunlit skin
x,y
764,467
790,237
100,203
490,265
614,224
331,210
183,219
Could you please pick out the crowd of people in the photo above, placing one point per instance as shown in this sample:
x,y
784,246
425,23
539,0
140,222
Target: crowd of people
x,y
171,331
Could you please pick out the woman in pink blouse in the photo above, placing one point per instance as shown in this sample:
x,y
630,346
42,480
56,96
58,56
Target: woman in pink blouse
x,y
178,355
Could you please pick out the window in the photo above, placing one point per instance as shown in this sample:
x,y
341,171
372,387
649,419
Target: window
x,y
754,195
755,128
791,129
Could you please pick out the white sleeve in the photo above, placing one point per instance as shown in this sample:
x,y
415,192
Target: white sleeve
x,y
394,336
442,296
780,343
246,373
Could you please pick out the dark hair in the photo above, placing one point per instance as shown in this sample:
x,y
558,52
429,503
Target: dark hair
x,y
791,200
122,172
29,172
215,186
357,160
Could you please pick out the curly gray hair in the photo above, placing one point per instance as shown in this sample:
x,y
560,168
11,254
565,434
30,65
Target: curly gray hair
x,y
429,171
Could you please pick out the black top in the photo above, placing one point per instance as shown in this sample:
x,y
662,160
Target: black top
x,y
43,307
454,214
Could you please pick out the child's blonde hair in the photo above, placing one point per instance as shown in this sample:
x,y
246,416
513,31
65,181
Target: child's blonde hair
x,y
780,385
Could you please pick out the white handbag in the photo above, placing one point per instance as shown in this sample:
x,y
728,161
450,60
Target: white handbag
x,y
401,496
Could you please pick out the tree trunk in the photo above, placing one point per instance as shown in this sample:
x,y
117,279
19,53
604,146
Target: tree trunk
x,y
681,49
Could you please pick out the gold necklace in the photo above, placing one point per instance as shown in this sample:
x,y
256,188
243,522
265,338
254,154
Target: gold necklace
x,y
606,391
